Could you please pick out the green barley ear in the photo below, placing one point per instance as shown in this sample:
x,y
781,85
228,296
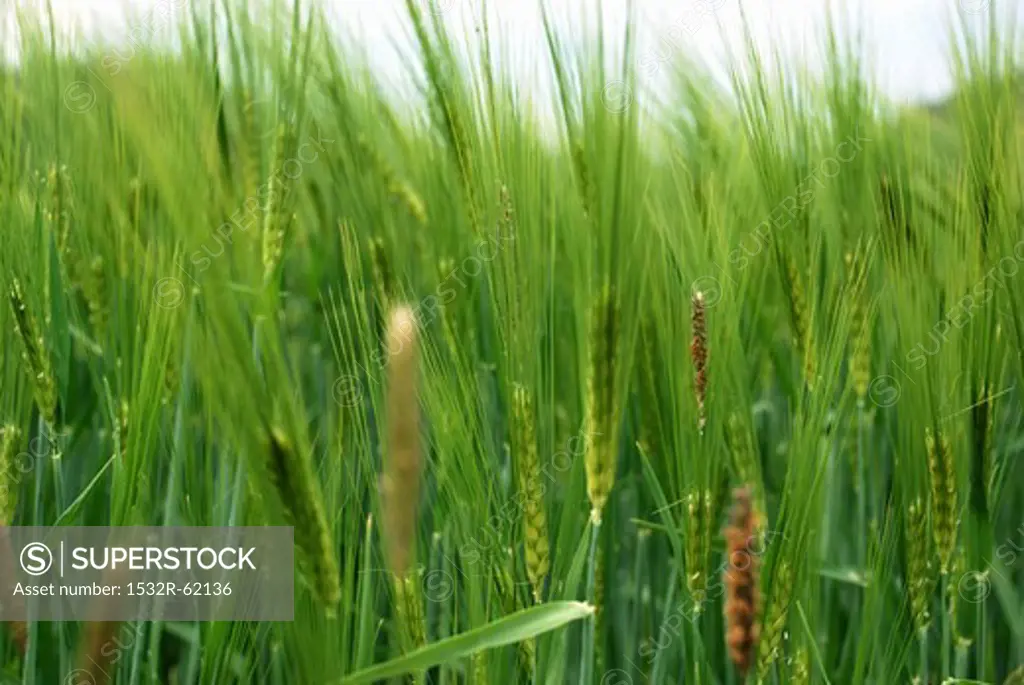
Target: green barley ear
x,y
292,475
411,200
943,500
94,289
535,525
919,573
744,457
275,224
527,652
774,623
9,436
478,666
399,189
801,667
699,523
460,343
602,406
802,332
58,212
383,276
36,357
409,608
508,212
860,340
699,354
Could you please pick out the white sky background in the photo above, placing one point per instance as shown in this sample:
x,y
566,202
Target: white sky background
x,y
907,40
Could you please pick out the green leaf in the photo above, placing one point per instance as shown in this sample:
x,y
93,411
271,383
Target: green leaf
x,y
519,626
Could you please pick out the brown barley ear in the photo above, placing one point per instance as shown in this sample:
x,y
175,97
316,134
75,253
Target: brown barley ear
x,y
742,578
699,354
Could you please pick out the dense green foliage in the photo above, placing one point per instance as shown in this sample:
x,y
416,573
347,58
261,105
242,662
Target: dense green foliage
x,y
199,248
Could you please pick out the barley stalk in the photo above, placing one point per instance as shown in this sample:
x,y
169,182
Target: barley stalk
x,y
648,390
599,610
250,148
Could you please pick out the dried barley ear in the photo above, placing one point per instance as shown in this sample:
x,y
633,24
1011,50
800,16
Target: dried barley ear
x,y
400,485
699,354
742,579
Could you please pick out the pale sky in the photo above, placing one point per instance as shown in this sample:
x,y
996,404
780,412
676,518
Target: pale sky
x,y
906,39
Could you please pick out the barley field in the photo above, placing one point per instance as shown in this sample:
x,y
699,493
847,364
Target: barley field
x,y
717,383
